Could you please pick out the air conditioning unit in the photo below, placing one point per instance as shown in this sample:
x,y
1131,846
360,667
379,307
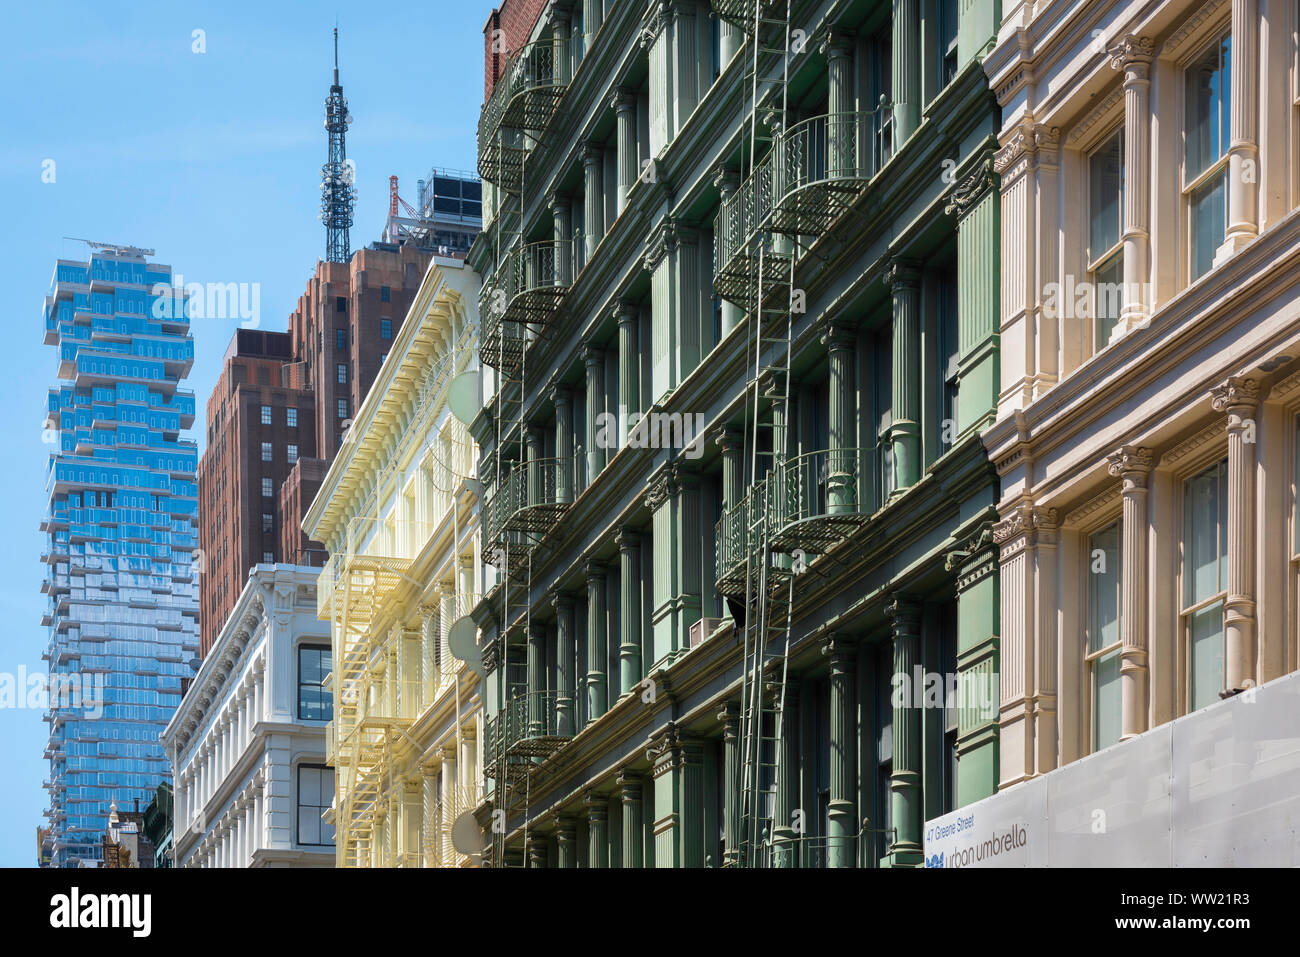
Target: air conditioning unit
x,y
703,628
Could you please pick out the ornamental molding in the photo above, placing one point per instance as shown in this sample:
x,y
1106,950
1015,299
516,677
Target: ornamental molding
x,y
1192,444
1236,393
1131,49
1129,459
1027,140
1107,499
1098,113
1024,520
967,193
1180,37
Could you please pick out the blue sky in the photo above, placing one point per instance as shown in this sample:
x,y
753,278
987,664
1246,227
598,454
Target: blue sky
x,y
213,160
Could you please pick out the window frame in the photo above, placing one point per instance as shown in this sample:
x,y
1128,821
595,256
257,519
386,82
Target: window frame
x,y
1095,263
1185,612
268,415
326,652
299,805
1218,168
1091,658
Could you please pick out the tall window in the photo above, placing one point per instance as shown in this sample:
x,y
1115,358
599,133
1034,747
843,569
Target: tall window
x,y
883,362
291,418
267,490
268,558
291,454
266,451
882,92
340,304
314,702
1207,98
1106,236
1103,654
268,522
1205,566
342,373
343,408
266,415
385,294
315,795
340,338
947,42
385,328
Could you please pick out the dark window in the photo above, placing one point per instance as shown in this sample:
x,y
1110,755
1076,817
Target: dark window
x,y
385,294
340,338
314,703
268,522
291,418
340,304
385,328
315,796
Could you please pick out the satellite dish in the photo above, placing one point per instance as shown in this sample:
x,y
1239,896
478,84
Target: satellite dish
x,y
462,639
466,835
463,396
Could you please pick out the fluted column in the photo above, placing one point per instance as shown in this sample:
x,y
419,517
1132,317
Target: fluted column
x,y
727,182
842,130
566,842
1133,55
732,445
533,447
592,13
562,232
905,781
906,57
627,314
593,161
429,814
537,718
841,471
537,852
905,433
564,664
630,793
597,640
629,649
597,806
448,780
731,767
564,476
1133,465
1239,398
623,103
844,748
1243,154
785,850
593,357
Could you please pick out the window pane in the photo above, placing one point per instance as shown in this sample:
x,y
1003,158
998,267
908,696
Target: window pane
x,y
1208,205
1205,655
309,786
1103,588
1108,297
308,825
1205,535
1105,189
1106,700
1206,100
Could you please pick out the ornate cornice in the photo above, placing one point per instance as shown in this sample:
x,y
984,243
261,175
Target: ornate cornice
x,y
1026,518
971,189
661,489
1191,25
1028,139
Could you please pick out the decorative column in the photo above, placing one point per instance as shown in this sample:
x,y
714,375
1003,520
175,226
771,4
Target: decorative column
x,y
629,649
627,314
975,205
730,41
593,357
727,181
537,717
905,433
731,768
1133,55
975,564
564,474
566,842
429,814
597,640
841,462
674,502
562,231
564,664
448,781
843,824
629,791
905,781
597,806
560,13
1239,398
537,852
672,258
593,162
592,11
842,124
1243,153
784,838
1133,466
732,445
906,80
533,449
678,771
623,103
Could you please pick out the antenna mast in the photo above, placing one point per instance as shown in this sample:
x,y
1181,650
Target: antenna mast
x,y
338,189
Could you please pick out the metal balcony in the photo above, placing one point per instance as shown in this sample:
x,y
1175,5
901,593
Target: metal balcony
x,y
530,284
528,502
502,344
524,98
822,165
815,500
743,248
806,852
527,727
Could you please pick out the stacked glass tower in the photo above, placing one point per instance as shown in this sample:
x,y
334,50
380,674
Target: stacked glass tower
x,y
123,598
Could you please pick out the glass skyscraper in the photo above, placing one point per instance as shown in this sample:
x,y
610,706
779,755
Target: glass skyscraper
x,y
123,597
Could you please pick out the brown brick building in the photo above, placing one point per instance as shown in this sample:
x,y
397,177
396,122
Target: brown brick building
x,y
279,412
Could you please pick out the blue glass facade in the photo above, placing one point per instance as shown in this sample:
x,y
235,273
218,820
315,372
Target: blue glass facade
x,y
123,501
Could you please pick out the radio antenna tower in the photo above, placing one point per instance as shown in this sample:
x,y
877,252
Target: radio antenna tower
x,y
338,190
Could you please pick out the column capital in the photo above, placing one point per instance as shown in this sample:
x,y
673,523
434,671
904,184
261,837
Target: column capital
x,y
837,647
565,827
1027,139
903,612
730,718
562,599
557,201
1130,49
902,273
726,180
838,43
625,310
972,187
560,391
592,153
728,438
1131,462
661,488
594,569
596,803
1238,395
836,334
1023,520
593,353
622,99
627,538
630,783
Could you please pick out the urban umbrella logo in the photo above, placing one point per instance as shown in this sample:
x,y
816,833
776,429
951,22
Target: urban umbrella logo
x,y
934,860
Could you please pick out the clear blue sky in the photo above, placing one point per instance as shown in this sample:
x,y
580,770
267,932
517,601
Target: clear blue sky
x,y
213,160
